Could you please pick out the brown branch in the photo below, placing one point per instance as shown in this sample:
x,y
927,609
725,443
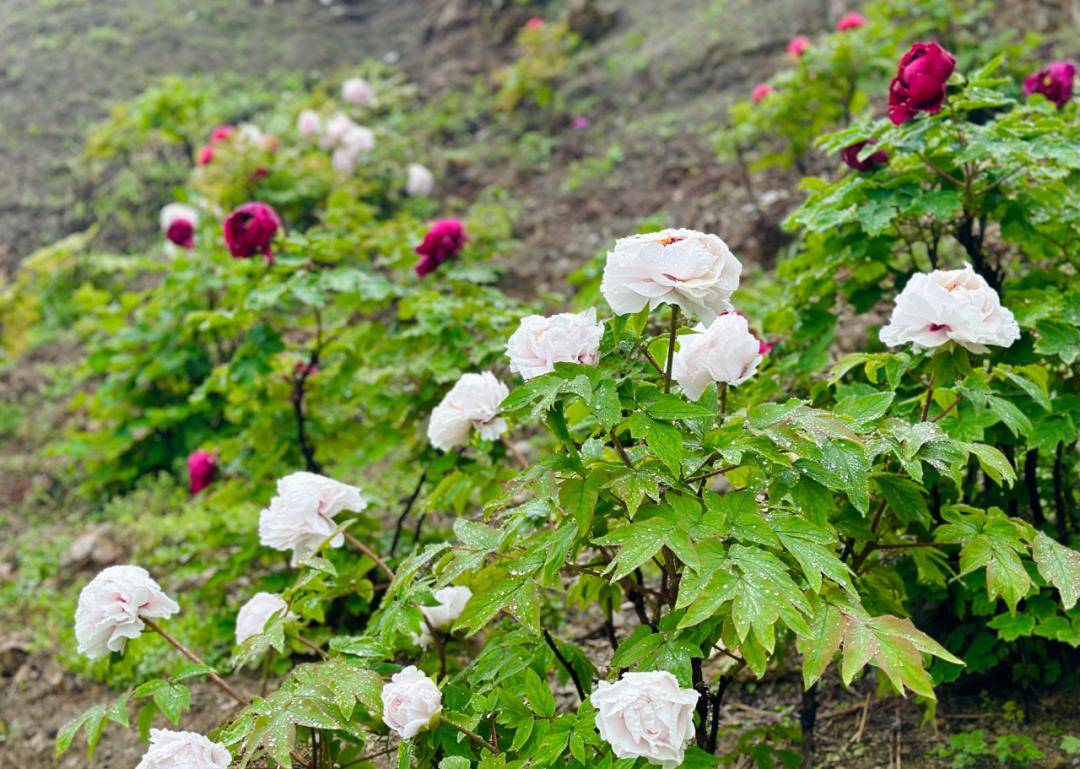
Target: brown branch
x,y
710,474
517,455
473,736
352,540
671,346
620,450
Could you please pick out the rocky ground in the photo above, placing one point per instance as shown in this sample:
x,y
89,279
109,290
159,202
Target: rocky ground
x,y
659,83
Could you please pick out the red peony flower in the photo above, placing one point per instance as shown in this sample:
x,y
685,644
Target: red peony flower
x,y
534,23
852,20
1055,82
798,46
851,156
759,93
250,230
201,465
222,133
182,233
205,155
445,239
919,85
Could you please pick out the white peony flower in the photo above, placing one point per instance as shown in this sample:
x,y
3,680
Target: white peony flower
x,y
419,182
250,135
725,351
309,123
950,305
183,750
690,269
411,702
301,516
357,91
344,160
472,402
177,212
359,139
334,130
539,343
253,615
452,601
111,608
646,715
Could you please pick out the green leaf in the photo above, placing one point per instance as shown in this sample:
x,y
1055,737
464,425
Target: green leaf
x,y
1057,338
819,647
895,646
992,541
172,700
539,694
1060,566
865,408
993,462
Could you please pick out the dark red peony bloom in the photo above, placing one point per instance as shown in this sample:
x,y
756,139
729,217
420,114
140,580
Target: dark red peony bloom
x,y
201,465
852,20
445,239
851,156
764,348
221,133
205,155
1055,82
919,85
250,230
182,233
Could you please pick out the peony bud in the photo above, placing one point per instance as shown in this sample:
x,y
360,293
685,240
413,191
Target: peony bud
x,y
950,305
112,606
178,223
201,465
851,156
539,343
411,702
850,21
473,402
646,715
919,85
760,92
798,46
724,352
301,516
250,230
204,155
183,750
690,269
1055,82
419,181
451,603
356,91
253,615
309,123
444,239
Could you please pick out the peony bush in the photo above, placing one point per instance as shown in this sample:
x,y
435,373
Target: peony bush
x,y
859,466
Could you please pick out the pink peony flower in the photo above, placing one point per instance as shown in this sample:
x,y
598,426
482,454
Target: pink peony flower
x,y
919,85
580,122
798,46
222,133
301,516
309,123
851,156
646,715
535,23
250,230
444,239
419,181
539,343
201,465
204,155
725,351
1055,82
759,93
472,403
253,615
357,91
849,21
